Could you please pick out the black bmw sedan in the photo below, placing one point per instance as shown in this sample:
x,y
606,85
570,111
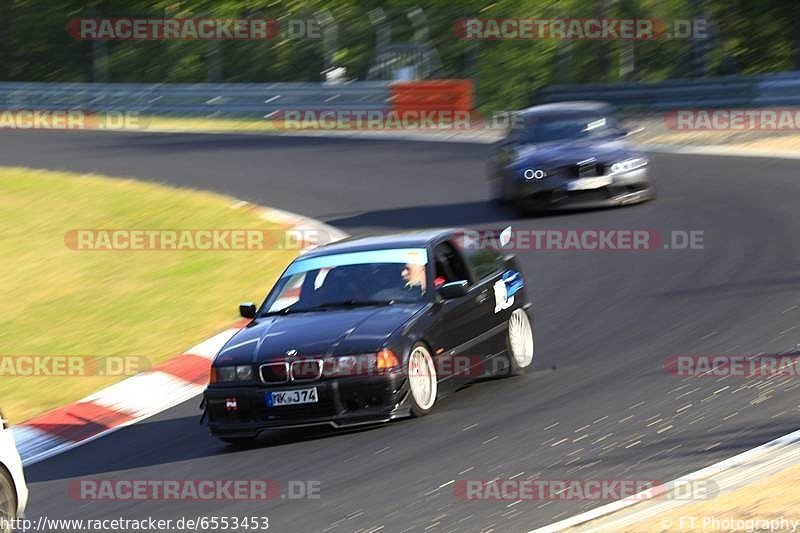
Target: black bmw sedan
x,y
371,329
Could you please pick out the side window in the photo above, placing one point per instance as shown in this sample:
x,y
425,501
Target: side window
x,y
483,261
449,264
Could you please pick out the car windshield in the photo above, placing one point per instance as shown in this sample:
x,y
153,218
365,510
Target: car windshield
x,y
555,128
356,279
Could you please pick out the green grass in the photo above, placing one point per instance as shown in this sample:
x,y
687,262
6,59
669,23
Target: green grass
x,y
206,124
59,301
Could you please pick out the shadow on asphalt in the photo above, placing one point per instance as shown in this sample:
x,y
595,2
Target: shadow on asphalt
x,y
447,215
146,438
146,446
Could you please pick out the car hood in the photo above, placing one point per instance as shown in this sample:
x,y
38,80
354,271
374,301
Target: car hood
x,y
564,153
339,331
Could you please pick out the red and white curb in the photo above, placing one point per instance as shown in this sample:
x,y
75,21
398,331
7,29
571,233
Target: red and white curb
x,y
148,393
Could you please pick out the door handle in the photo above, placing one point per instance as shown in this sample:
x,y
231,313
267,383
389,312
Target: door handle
x,y
482,297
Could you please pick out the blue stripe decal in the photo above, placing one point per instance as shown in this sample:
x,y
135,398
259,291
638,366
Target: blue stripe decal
x,y
513,281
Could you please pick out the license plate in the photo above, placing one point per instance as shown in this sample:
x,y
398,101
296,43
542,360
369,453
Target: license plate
x,y
589,183
292,397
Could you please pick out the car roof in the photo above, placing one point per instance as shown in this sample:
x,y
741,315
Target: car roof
x,y
409,239
578,106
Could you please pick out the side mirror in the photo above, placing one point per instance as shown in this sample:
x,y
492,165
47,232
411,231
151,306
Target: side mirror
x,y
247,310
505,237
454,289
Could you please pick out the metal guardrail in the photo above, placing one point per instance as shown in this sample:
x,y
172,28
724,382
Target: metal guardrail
x,y
257,100
253,100
781,89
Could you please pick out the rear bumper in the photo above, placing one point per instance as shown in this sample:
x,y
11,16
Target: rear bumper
x,y
342,402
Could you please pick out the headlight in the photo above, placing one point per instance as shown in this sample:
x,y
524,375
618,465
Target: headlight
x,y
222,374
360,365
244,373
349,365
627,165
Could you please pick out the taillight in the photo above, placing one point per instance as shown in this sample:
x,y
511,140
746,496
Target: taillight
x,y
387,359
213,377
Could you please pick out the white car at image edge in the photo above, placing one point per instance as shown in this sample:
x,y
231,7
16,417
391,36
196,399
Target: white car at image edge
x,y
13,490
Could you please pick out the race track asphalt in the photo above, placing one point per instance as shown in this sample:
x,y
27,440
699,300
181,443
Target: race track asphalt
x,y
598,403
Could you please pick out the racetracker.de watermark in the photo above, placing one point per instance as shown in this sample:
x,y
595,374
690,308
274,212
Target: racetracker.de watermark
x,y
445,365
583,489
601,29
72,365
377,119
141,240
733,119
744,366
192,29
73,119
581,239
192,489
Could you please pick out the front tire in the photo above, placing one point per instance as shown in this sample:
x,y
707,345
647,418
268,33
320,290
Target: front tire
x,y
8,502
422,380
520,342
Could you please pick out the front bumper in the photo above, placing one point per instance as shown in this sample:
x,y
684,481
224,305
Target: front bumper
x,y
342,402
554,193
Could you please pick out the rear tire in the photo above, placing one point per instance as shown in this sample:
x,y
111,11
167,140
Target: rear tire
x,y
8,502
520,342
422,380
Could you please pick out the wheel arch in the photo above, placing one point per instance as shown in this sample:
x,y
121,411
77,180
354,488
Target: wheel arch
x,y
6,473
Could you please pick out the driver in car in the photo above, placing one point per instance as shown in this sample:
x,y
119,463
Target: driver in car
x,y
414,277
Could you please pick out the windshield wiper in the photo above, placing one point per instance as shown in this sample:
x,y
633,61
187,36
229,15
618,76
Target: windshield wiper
x,y
284,311
330,305
350,303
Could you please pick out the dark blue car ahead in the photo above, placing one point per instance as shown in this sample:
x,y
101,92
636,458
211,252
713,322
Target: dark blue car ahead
x,y
565,156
